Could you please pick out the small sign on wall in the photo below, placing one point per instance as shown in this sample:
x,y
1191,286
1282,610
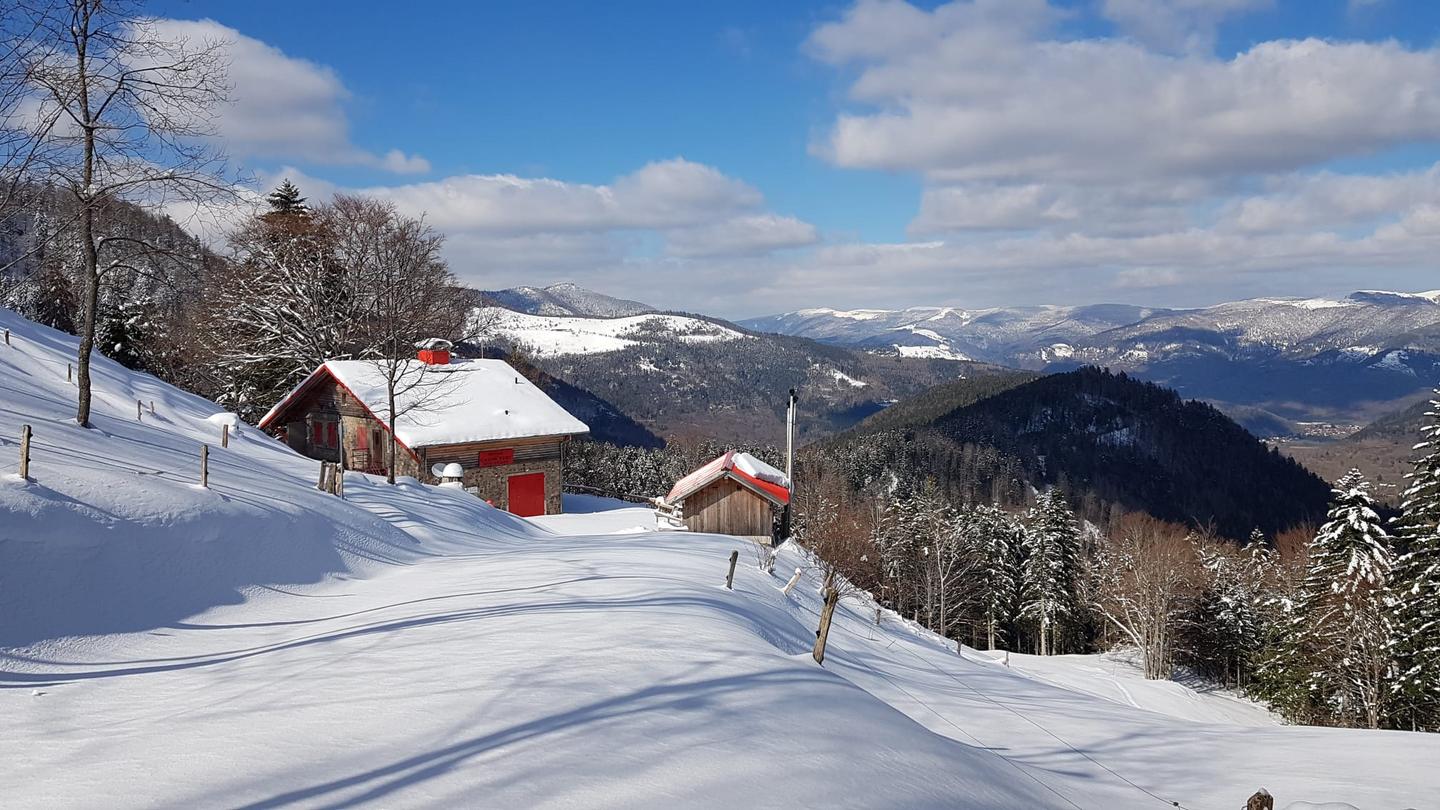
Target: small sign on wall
x,y
497,458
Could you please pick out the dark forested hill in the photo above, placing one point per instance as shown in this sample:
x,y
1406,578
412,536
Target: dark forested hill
x,y
1109,440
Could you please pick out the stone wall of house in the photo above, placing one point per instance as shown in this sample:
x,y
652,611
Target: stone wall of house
x,y
492,483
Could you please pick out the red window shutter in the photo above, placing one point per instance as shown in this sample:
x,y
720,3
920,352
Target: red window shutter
x,y
332,434
318,429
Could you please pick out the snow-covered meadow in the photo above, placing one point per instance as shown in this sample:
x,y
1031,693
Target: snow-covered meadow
x,y
262,644
548,335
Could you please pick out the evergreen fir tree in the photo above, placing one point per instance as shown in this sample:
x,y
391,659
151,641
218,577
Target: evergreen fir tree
x,y
286,199
1416,587
996,536
1341,623
1051,570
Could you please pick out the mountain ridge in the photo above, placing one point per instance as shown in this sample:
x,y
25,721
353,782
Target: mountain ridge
x,y
1284,361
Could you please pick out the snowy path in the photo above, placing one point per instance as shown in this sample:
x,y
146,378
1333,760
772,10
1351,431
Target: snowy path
x,y
562,672
611,671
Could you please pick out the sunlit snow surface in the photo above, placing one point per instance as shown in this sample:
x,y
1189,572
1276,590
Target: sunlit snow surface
x,y
261,644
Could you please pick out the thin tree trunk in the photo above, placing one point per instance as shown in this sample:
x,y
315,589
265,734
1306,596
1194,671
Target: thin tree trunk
x,y
87,227
390,462
91,303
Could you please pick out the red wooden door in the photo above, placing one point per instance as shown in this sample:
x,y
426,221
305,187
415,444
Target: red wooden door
x,y
526,495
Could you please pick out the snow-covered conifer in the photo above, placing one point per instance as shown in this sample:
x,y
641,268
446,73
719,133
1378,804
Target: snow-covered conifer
x,y
1416,587
1341,623
1051,571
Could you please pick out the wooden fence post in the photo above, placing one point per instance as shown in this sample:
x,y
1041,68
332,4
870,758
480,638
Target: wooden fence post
x,y
224,435
138,409
1261,800
7,337
152,407
205,466
320,482
25,452
69,373
791,583
730,577
832,597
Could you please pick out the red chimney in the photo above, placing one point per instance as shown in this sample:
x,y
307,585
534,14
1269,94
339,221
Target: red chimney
x,y
434,351
435,357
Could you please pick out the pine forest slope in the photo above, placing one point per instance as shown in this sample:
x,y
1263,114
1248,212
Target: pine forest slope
x,y
1106,439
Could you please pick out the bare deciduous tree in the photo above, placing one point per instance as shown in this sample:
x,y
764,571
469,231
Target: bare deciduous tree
x,y
1146,573
133,113
405,295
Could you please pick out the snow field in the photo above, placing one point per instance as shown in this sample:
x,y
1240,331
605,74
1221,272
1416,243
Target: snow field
x,y
261,644
559,335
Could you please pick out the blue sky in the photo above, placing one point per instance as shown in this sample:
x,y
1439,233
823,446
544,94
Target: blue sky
x,y
870,154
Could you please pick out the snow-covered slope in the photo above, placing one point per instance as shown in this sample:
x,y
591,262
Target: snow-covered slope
x,y
549,336
409,646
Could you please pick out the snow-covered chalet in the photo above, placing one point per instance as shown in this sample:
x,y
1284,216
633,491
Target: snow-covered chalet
x,y
508,437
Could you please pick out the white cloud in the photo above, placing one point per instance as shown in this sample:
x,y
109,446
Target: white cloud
x,y
283,106
695,209
739,236
963,93
1176,25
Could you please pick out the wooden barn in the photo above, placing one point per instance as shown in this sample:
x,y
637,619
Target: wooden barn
x,y
734,494
508,437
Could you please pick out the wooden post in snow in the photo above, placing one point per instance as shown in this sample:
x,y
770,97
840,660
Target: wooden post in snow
x,y
7,337
152,407
791,583
225,435
205,466
69,373
1262,800
25,452
139,407
320,482
730,577
832,598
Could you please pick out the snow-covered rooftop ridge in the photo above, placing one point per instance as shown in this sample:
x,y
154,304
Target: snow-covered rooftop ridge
x,y
465,401
756,468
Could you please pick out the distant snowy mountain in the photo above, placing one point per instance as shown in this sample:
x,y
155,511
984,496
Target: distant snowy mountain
x,y
565,299
554,335
1303,359
692,376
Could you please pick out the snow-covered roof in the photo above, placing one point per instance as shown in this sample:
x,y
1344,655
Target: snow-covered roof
x,y
750,471
464,401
